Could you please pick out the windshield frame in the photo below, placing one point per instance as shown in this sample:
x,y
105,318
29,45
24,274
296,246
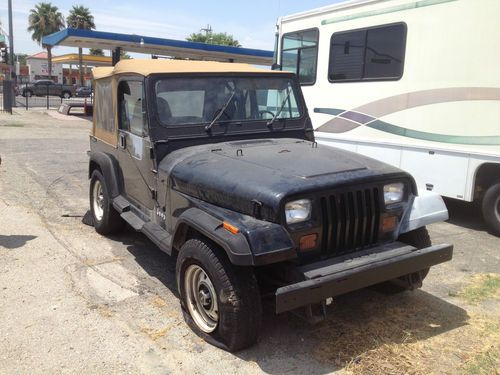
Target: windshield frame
x,y
223,127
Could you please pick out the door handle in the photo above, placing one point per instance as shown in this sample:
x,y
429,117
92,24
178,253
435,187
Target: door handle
x,y
123,141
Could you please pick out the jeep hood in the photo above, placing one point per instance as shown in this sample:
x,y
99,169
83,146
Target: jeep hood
x,y
239,175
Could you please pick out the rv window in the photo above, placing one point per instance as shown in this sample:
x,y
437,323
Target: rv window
x,y
299,54
369,54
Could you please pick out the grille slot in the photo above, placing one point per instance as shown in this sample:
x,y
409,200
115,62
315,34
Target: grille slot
x,y
350,221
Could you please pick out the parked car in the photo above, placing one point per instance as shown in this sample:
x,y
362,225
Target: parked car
x,y
83,92
217,164
46,87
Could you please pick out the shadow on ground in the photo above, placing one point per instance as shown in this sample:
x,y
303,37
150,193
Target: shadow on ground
x,y
14,241
357,323
465,214
147,255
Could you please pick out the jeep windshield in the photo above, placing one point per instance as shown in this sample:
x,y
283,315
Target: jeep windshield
x,y
226,100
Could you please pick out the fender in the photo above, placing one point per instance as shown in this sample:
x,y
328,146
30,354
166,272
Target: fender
x,y
254,245
110,171
427,208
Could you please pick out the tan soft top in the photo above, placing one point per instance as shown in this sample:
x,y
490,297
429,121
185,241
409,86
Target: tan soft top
x,y
146,67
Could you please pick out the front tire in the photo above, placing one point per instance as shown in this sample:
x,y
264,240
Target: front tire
x,y
66,95
491,208
221,302
420,239
106,219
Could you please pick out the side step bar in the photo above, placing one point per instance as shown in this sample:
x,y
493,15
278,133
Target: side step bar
x,y
159,236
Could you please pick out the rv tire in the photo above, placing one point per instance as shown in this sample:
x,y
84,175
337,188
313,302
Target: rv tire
x,y
491,208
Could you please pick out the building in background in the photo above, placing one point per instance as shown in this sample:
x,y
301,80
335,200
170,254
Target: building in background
x,y
64,68
39,68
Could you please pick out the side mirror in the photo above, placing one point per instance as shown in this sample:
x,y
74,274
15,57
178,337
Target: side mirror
x,y
276,66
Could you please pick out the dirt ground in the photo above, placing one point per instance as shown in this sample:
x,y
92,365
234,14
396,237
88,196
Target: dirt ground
x,y
72,301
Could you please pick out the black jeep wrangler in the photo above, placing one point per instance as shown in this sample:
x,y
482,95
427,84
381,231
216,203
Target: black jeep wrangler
x,y
217,164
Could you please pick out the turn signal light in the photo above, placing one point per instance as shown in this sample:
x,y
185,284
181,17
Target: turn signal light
x,y
308,241
230,228
389,223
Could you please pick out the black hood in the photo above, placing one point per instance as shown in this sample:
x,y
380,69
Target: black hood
x,y
237,175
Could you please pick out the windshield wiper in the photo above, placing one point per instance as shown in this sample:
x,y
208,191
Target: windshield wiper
x,y
270,122
221,111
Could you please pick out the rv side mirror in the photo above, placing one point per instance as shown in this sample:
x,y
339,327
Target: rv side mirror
x,y
276,66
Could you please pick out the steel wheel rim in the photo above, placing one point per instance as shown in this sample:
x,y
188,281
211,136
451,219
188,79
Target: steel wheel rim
x,y
201,298
98,200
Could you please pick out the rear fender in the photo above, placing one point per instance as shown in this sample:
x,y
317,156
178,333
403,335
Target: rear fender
x,y
110,171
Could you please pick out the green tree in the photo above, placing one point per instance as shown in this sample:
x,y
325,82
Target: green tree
x,y
214,38
80,18
96,52
124,55
43,20
21,57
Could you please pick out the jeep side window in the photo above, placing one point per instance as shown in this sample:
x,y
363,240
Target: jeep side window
x,y
132,107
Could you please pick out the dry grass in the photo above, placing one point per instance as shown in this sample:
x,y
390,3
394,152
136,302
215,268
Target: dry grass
x,y
481,288
485,363
156,334
410,336
105,311
159,302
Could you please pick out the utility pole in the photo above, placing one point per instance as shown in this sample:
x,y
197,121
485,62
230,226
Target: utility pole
x,y
11,41
208,32
12,73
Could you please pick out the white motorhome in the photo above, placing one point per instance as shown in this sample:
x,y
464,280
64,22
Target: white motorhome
x,y
413,83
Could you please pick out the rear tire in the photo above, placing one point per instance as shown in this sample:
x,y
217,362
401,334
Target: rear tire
x,y
106,219
221,302
491,208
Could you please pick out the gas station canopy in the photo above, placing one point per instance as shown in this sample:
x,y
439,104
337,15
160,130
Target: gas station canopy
x,y
72,58
156,46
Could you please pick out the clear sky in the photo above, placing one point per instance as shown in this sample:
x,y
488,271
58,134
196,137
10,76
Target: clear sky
x,y
250,22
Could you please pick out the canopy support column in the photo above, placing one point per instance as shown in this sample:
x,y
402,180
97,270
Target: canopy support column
x,y
115,55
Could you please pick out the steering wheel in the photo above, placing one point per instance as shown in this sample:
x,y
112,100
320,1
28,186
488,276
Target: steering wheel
x,y
265,111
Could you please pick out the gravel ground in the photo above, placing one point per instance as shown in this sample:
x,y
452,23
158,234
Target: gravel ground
x,y
72,301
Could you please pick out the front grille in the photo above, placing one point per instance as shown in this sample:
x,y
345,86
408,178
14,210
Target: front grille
x,y
350,221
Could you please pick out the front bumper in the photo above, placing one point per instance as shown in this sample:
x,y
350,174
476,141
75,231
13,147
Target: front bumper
x,y
337,276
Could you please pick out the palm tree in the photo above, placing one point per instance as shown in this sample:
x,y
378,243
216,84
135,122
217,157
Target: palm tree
x,y
43,20
96,52
80,18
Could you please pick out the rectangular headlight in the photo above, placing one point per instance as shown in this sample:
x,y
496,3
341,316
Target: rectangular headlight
x,y
298,211
394,193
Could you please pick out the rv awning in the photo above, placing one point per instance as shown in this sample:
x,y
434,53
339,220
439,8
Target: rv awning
x,y
157,46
